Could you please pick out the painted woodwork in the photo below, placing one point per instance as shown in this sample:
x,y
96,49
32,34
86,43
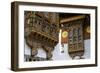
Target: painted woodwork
x,y
75,37
41,31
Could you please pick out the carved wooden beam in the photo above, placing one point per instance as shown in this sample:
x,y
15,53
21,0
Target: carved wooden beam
x,y
72,18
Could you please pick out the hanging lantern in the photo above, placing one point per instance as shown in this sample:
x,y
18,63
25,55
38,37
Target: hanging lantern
x,y
64,36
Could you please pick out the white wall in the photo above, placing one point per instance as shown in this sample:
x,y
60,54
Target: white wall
x,y
57,55
27,50
87,49
41,53
5,37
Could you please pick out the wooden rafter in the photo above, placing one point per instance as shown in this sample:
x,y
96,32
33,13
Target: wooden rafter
x,y
72,18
